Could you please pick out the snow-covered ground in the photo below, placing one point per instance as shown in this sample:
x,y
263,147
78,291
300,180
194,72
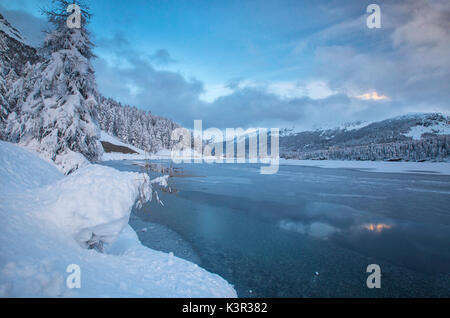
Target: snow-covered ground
x,y
439,128
49,219
140,155
375,166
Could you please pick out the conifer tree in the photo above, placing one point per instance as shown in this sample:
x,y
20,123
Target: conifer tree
x,y
59,94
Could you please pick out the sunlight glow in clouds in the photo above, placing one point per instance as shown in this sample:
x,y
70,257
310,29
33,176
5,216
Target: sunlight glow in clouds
x,y
380,227
372,96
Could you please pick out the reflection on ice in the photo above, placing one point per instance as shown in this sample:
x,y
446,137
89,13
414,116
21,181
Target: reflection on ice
x,y
316,229
270,234
377,227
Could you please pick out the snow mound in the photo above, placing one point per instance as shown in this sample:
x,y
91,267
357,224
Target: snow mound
x,y
47,217
94,202
19,169
67,162
70,161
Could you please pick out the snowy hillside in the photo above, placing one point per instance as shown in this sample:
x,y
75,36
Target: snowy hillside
x,y
10,31
49,221
162,154
14,54
105,137
136,127
415,137
120,155
437,128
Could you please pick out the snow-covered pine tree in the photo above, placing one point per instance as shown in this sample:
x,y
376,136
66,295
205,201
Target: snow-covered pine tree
x,y
4,105
15,53
58,96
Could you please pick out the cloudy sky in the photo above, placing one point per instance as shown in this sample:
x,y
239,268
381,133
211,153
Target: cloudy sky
x,y
265,63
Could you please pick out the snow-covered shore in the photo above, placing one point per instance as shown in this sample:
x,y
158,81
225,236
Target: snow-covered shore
x,y
46,217
139,155
375,166
163,154
370,166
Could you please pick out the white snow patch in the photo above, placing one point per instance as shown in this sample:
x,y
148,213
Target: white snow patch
x,y
141,154
163,154
375,166
46,216
347,126
70,161
439,128
66,162
95,200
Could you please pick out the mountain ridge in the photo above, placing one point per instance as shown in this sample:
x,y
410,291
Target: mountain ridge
x,y
409,137
388,139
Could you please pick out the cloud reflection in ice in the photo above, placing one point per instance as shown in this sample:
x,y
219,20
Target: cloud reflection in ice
x,y
316,229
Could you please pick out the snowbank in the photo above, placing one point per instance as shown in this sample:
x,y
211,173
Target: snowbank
x,y
47,218
375,166
163,154
109,156
93,202
66,162
20,170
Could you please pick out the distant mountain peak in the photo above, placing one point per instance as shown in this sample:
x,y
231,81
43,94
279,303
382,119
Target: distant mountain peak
x,y
11,31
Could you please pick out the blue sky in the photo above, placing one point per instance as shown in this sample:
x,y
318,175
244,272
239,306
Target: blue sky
x,y
283,63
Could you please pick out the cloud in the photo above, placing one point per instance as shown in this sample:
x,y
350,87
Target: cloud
x,y
256,107
130,77
314,89
407,60
214,91
162,57
356,74
343,92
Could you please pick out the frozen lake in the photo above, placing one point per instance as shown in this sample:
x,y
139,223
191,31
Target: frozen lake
x,y
268,234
